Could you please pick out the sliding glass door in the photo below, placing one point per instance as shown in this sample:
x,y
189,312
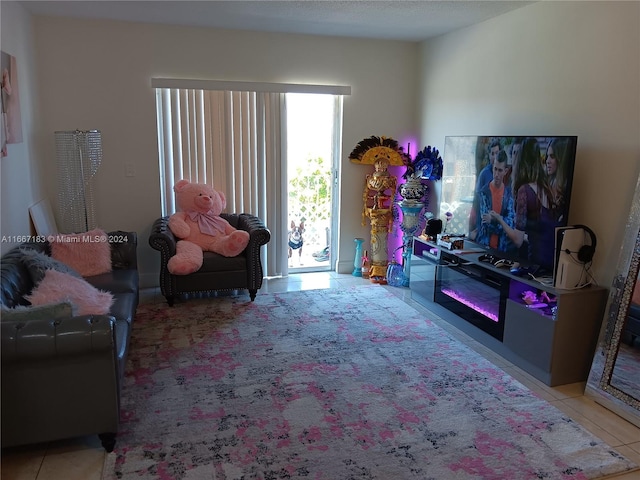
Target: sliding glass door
x,y
313,150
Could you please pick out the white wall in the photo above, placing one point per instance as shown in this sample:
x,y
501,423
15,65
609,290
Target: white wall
x,y
96,74
20,180
550,68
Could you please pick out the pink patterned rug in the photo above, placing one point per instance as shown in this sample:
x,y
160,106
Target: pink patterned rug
x,y
331,384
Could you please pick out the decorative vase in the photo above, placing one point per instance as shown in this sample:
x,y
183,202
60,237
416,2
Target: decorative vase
x,y
411,221
395,274
357,261
413,190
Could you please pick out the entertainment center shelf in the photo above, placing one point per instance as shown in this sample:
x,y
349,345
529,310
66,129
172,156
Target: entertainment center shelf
x,y
550,333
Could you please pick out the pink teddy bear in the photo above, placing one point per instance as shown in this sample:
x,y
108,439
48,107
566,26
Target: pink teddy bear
x,y
200,228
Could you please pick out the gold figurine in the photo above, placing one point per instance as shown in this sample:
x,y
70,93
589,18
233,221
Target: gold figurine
x,y
378,194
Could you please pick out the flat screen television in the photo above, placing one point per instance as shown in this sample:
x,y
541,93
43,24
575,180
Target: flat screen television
x,y
508,194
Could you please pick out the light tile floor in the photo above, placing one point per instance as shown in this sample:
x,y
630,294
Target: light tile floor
x,y
83,458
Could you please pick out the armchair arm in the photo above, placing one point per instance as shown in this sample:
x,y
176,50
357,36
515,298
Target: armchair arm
x,y
162,238
48,339
259,235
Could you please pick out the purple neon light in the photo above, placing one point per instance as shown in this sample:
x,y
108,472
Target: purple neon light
x,y
470,304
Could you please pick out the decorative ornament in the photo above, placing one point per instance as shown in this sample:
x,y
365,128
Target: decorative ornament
x,y
372,149
448,217
413,190
427,165
379,191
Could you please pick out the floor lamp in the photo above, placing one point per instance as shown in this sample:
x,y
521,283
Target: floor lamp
x,y
78,155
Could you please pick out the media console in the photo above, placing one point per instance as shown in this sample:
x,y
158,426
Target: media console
x,y
548,332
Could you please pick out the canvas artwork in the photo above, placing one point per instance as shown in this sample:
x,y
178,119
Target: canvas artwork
x,y
11,128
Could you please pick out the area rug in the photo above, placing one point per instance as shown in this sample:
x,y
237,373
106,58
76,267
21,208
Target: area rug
x,y
331,384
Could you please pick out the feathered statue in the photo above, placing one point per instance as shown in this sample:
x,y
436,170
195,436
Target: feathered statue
x,y
379,190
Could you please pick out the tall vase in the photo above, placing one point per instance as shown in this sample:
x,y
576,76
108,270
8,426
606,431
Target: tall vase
x,y
357,261
411,220
413,193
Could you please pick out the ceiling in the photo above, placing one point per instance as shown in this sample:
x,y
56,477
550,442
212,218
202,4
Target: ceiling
x,y
399,20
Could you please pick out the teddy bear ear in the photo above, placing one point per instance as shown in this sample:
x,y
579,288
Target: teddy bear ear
x,y
180,185
223,199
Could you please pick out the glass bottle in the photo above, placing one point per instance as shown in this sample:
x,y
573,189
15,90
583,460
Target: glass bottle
x,y
366,264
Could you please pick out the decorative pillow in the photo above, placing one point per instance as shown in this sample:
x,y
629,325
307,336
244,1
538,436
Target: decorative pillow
x,y
38,263
59,287
50,311
87,253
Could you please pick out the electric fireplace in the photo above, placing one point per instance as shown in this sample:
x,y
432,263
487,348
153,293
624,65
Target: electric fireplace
x,y
472,292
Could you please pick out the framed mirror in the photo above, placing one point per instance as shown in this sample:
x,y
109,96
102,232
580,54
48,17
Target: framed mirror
x,y
614,380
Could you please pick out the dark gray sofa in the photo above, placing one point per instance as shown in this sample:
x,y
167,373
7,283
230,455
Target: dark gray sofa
x,y
62,378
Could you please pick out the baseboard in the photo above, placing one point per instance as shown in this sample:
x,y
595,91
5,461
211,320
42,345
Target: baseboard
x,y
344,267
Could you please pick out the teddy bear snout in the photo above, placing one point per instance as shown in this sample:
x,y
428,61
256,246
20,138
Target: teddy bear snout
x,y
203,201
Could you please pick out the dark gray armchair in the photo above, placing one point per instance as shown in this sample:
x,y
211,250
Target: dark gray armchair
x,y
217,272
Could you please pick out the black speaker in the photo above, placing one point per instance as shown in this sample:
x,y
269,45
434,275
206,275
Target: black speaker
x,y
586,252
433,228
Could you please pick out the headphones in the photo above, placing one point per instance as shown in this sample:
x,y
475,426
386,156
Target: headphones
x,y
586,252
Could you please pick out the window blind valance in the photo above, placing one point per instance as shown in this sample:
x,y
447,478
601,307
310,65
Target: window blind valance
x,y
226,85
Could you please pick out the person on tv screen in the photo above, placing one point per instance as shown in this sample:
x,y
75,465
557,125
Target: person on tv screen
x,y
484,177
486,174
555,163
514,155
495,197
535,214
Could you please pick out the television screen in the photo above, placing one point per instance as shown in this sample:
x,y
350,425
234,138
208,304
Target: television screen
x,y
508,194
